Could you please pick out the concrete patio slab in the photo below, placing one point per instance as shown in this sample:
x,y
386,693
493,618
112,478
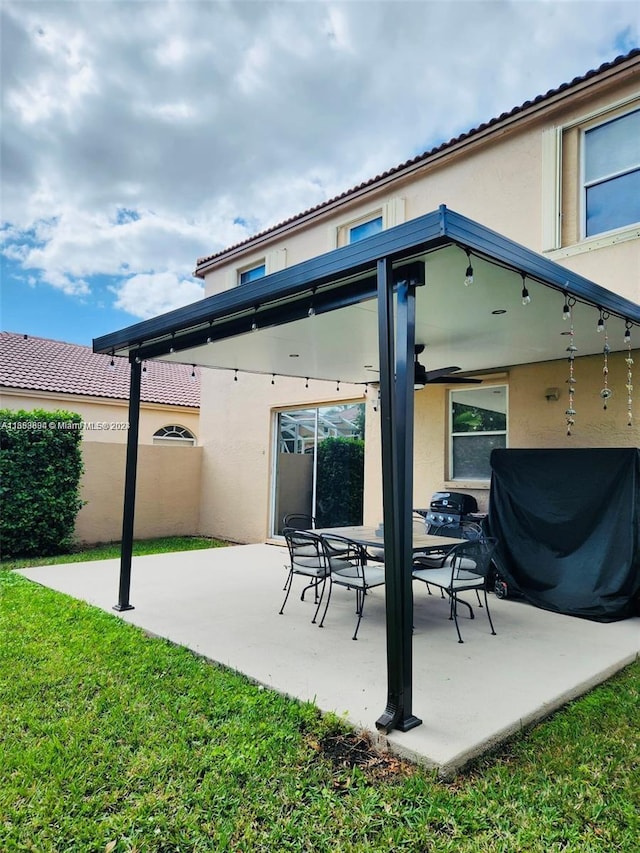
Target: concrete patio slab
x,y
223,604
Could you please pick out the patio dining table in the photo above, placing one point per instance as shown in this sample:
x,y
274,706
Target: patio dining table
x,y
370,537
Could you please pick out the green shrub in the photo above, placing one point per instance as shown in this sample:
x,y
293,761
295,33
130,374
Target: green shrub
x,y
40,468
340,482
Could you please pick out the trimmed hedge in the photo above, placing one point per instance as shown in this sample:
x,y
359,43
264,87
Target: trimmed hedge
x,y
40,469
340,486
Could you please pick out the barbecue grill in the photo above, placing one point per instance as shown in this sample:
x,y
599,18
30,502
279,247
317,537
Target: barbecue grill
x,y
451,508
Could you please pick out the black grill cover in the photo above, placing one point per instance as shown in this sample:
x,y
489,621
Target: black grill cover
x,y
568,525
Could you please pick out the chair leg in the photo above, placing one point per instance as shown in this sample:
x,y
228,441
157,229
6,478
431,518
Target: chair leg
x,y
287,586
454,603
486,606
319,600
326,607
359,611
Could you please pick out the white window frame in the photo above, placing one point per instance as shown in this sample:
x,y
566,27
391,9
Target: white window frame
x,y
274,261
249,268
583,182
392,212
552,172
451,434
185,437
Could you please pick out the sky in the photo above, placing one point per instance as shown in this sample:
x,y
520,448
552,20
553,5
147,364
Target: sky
x,y
139,135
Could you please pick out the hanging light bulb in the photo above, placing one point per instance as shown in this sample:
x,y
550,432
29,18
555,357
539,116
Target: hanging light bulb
x,y
112,363
627,332
600,323
254,324
526,299
193,373
468,276
566,311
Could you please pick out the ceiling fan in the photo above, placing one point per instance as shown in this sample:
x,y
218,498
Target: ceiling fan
x,y
422,376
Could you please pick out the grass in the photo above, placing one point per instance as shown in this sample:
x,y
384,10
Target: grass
x,y
115,741
111,550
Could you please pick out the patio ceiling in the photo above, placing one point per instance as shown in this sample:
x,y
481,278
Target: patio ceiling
x,y
458,324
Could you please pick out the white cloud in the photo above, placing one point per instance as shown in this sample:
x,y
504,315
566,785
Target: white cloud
x,y
146,296
205,115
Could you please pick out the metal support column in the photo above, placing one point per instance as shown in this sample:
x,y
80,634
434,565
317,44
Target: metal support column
x,y
396,407
126,550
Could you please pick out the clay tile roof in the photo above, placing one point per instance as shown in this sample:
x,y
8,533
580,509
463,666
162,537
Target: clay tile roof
x,y
40,364
424,156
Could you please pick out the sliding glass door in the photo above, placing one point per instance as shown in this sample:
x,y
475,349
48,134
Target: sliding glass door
x,y
319,465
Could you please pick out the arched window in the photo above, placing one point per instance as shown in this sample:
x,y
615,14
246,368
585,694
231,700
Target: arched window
x,y
174,434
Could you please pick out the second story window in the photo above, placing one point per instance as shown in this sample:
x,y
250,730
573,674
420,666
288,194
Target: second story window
x,y
365,229
612,174
252,273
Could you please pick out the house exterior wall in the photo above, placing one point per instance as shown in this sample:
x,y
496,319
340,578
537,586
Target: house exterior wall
x,y
518,178
237,424
167,492
112,415
534,422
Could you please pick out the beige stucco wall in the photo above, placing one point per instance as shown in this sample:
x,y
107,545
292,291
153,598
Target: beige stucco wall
x,y
237,421
107,417
533,422
503,181
167,491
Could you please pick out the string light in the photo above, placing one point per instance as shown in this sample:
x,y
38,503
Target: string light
x,y
254,324
526,299
193,373
566,310
235,375
312,311
468,276
600,323
112,363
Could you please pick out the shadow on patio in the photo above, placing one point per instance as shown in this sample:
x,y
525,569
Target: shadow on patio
x,y
223,603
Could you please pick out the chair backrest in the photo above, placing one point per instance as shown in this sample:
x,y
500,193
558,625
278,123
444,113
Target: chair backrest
x,y
305,548
420,525
460,530
473,556
299,521
343,555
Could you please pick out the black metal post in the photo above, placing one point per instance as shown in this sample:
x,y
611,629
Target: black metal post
x,y
126,550
396,408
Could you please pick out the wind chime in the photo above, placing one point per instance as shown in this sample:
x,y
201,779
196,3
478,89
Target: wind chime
x,y
606,393
629,362
567,313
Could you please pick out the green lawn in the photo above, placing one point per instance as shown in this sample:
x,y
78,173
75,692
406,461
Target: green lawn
x,y
111,740
111,551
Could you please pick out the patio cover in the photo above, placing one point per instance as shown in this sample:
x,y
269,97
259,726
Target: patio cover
x,y
371,302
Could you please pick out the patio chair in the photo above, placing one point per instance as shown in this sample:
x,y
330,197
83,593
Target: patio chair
x,y
306,558
466,567
349,568
299,521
